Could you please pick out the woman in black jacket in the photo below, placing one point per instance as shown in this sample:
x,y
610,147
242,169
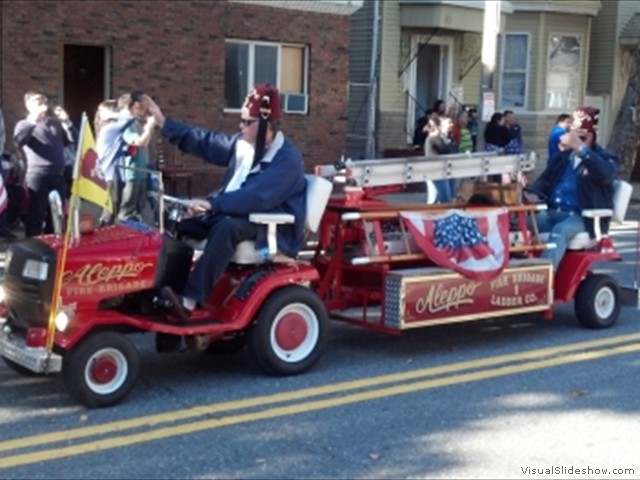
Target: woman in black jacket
x,y
496,135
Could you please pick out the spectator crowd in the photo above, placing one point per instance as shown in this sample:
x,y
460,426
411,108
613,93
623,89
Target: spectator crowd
x,y
45,145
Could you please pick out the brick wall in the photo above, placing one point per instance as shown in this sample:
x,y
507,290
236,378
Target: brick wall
x,y
175,51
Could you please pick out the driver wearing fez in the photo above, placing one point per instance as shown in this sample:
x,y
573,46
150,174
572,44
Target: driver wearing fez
x,y
264,174
578,177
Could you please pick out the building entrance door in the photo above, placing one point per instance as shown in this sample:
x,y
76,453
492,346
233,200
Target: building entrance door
x,y
85,80
430,72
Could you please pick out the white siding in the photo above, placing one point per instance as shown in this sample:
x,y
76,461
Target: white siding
x,y
603,49
468,65
391,96
360,38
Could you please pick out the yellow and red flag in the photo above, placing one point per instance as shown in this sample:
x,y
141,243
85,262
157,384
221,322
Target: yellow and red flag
x,y
89,183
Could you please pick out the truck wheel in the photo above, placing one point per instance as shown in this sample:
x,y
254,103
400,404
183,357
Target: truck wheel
x,y
101,370
596,303
16,367
289,333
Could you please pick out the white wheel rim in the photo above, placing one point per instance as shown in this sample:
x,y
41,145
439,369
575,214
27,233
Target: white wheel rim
x,y
605,302
106,382
305,316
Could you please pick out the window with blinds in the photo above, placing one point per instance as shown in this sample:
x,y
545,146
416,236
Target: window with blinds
x,y
248,63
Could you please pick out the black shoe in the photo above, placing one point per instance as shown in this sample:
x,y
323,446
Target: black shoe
x,y
174,303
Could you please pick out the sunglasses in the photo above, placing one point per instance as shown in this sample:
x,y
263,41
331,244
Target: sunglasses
x,y
247,122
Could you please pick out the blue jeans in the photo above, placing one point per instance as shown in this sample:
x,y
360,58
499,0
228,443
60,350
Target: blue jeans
x,y
38,218
224,236
446,190
562,227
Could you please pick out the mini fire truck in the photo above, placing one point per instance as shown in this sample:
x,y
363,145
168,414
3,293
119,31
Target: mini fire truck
x,y
363,267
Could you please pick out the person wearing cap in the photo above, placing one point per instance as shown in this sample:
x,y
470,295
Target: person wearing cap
x,y
580,176
265,173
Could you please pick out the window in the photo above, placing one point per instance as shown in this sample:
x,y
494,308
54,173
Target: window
x,y
248,63
563,71
514,79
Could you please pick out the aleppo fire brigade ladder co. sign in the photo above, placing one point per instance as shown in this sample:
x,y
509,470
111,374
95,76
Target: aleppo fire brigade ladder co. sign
x,y
445,296
99,278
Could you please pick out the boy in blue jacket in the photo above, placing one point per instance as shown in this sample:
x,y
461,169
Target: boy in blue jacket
x,y
265,173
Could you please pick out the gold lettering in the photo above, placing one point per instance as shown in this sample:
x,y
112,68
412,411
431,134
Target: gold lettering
x,y
529,277
98,273
439,298
499,282
500,301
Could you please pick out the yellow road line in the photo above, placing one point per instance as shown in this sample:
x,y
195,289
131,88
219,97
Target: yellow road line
x,y
153,420
305,407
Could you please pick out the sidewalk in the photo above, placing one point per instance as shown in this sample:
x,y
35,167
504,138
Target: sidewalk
x,y
635,194
633,213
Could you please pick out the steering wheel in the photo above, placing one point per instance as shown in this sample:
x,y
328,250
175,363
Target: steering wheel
x,y
174,211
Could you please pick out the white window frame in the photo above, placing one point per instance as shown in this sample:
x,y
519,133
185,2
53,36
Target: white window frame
x,y
579,74
251,71
526,72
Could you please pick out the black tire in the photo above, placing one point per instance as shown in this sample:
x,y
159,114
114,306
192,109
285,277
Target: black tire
x,y
597,302
19,369
101,370
289,333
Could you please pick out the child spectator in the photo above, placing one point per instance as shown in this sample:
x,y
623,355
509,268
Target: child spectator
x,y
461,133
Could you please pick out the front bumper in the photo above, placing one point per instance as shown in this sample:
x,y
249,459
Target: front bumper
x,y
38,360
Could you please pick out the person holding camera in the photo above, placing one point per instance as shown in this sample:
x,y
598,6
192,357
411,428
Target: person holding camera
x,y
136,136
42,139
580,176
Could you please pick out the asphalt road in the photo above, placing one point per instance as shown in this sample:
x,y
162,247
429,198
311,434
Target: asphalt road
x,y
483,399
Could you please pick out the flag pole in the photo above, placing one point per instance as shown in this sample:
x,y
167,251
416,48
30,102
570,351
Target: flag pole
x,y
62,257
160,201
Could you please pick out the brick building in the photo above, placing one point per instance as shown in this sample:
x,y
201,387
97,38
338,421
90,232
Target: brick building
x,y
197,58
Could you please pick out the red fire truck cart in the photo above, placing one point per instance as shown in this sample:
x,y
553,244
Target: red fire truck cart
x,y
366,269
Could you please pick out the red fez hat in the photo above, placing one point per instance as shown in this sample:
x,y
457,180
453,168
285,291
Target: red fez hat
x,y
586,118
263,101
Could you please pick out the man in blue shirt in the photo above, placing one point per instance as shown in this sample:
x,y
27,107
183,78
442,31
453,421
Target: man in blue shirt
x,y
562,126
265,174
580,176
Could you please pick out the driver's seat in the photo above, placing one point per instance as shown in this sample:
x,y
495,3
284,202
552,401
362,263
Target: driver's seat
x,y
318,193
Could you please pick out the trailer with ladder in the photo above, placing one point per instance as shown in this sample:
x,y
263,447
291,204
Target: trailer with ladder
x,y
376,273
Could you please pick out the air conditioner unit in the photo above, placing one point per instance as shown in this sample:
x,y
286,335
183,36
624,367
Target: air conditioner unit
x,y
296,103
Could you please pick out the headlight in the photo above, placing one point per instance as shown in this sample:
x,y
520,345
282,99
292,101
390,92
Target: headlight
x,y
62,321
35,270
3,295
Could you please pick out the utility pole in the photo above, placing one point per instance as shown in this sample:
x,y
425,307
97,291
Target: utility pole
x,y
491,27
